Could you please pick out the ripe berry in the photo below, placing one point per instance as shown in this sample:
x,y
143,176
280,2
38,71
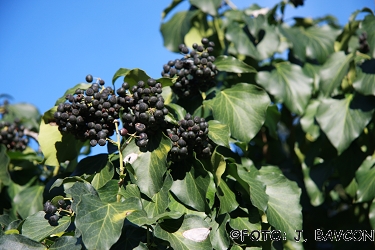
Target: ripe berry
x,y
89,78
54,218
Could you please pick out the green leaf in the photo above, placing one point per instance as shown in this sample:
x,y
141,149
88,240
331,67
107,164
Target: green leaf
x,y
160,200
333,72
288,84
170,7
91,165
272,119
101,223
37,227
108,193
4,163
371,214
209,6
241,223
78,190
134,76
308,123
120,72
243,107
364,83
365,176
232,64
227,198
82,86
17,241
177,239
176,28
130,190
313,42
284,209
191,190
219,133
175,205
29,200
219,236
149,166
218,166
177,111
27,113
368,25
104,176
344,120
66,243
56,147
241,41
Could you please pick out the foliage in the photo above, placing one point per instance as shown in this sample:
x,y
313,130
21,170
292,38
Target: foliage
x,y
290,141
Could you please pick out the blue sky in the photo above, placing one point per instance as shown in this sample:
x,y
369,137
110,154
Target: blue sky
x,y
47,47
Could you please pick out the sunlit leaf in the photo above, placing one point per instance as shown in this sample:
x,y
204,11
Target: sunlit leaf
x,y
17,241
364,83
232,64
208,6
365,178
241,41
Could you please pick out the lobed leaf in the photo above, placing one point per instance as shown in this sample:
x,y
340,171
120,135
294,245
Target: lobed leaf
x,y
232,64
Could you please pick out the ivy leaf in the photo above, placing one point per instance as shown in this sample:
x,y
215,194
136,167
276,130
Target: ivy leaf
x,y
368,25
308,123
344,120
364,83
27,113
176,237
288,84
104,176
241,223
232,64
177,111
284,211
29,200
160,201
4,162
365,178
241,41
150,165
226,197
37,227
136,75
170,7
78,190
219,236
66,243
192,189
18,241
219,133
333,71
208,6
272,119
100,222
313,42
243,107
176,28
108,192
371,214
82,86
218,166
120,72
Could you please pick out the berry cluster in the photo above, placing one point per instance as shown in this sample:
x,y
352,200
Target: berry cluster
x,y
195,72
190,135
12,135
144,109
363,44
297,3
90,114
51,210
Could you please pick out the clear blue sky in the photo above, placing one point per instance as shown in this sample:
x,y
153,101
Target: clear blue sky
x,y
47,47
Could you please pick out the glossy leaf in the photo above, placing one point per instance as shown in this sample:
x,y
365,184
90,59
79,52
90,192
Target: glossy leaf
x,y
66,243
101,223
149,166
227,198
104,176
371,214
368,25
176,28
134,76
364,83
232,64
170,7
17,241
333,72
313,42
365,178
4,162
219,236
284,211
272,119
29,201
208,6
243,107
37,227
219,133
241,41
344,120
288,84
308,122
176,238
120,72
218,166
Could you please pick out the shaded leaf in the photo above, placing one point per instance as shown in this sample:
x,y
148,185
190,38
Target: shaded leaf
x,y
4,162
29,200
241,41
170,7
17,241
104,176
177,111
176,28
27,113
37,227
364,83
288,84
82,86
219,133
232,64
66,243
284,211
308,123
343,120
272,119
208,6
368,25
365,176
243,107
226,197
219,236
333,72
120,72
371,214
134,76
218,166
101,223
